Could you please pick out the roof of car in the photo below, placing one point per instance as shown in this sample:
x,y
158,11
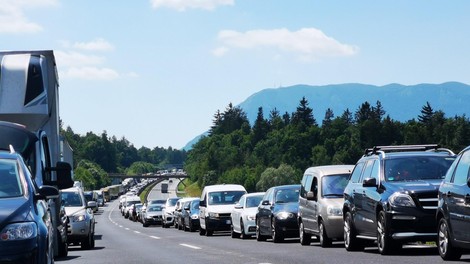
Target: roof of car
x,y
330,169
224,187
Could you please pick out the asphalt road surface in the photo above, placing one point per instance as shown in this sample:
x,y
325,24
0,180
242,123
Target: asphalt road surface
x,y
119,240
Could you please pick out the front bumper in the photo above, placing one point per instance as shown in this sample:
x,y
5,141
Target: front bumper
x,y
222,223
412,224
78,230
156,219
288,227
334,226
21,251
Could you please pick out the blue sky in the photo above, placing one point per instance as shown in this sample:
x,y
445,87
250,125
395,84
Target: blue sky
x,y
156,71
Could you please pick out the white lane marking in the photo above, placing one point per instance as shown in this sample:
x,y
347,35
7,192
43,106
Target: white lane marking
x,y
154,237
137,232
127,228
189,246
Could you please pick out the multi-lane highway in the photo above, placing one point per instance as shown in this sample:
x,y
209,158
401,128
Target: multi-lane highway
x,y
119,240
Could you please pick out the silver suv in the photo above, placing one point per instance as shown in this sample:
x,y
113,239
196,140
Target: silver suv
x,y
81,226
321,203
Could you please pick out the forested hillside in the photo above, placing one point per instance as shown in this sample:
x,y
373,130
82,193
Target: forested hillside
x,y
279,147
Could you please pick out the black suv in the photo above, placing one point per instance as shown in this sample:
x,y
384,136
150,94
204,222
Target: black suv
x,y
391,196
453,211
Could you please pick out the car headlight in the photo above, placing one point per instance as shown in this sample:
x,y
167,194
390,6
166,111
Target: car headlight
x,y
401,199
213,215
284,215
251,217
334,211
19,231
194,216
79,218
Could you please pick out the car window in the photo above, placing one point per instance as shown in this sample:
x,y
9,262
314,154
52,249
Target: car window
x,y
253,201
416,168
287,196
462,171
242,201
195,205
368,170
10,184
356,174
71,199
306,184
333,185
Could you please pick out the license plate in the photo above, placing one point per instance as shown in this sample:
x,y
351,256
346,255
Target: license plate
x,y
228,222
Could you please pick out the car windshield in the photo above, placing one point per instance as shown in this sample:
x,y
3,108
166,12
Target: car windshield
x,y
71,199
253,201
195,205
171,202
9,179
154,208
333,185
225,197
417,168
287,196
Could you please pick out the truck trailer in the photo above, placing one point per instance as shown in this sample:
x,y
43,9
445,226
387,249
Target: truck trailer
x,y
29,121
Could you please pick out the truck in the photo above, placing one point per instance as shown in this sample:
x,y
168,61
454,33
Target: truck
x,y
29,123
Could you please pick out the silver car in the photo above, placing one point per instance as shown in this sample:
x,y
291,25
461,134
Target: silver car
x,y
81,227
320,203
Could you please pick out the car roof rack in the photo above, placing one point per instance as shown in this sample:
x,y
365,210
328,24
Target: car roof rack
x,y
400,148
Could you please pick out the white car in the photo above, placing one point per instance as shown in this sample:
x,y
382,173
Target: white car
x,y
244,215
169,212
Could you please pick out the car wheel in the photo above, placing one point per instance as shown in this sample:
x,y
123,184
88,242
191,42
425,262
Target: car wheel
x,y
92,241
63,246
325,241
233,234
351,243
86,242
305,239
243,235
276,234
259,236
144,224
444,243
202,231
385,243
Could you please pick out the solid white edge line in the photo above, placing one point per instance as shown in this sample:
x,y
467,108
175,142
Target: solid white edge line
x,y
189,246
154,237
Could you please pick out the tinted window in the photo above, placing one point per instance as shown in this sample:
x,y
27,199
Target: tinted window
x,y
416,168
306,183
356,174
463,170
154,208
71,199
333,185
287,196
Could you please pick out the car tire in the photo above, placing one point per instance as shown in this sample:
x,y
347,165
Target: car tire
x,y
243,235
444,242
63,246
144,224
259,236
202,231
305,239
233,234
325,241
351,243
385,244
277,235
86,243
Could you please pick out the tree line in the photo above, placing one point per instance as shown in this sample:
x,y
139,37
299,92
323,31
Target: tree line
x,y
97,155
277,149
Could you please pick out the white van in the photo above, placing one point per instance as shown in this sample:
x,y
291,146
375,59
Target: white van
x,y
216,205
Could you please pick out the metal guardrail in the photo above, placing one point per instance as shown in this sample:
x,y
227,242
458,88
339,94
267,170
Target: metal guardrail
x,y
149,175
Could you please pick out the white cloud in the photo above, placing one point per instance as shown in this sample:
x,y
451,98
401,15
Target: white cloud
x,y
182,5
90,73
307,43
95,45
73,58
13,19
220,51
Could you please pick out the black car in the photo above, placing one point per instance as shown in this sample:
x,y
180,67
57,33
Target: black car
x,y
453,211
277,213
391,196
26,231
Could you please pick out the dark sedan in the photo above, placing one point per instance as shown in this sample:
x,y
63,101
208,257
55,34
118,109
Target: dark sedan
x,y
25,220
277,213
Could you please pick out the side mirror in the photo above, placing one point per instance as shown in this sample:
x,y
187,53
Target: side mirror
x,y
91,204
48,192
238,206
265,202
64,175
186,208
311,196
369,182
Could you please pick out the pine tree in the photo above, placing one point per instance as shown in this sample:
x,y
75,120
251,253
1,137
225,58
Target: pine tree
x,y
426,114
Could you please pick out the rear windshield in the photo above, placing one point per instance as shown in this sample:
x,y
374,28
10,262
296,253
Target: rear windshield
x,y
10,184
417,168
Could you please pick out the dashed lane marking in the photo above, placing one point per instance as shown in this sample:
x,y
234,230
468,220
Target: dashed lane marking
x,y
190,246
